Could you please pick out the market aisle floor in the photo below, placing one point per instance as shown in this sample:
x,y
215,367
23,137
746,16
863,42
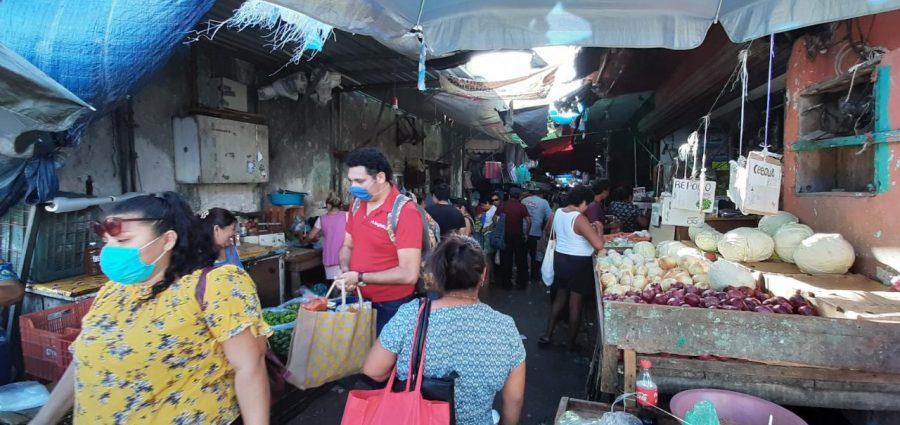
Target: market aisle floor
x,y
552,372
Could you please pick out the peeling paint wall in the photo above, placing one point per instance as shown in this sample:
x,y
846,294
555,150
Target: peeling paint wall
x,y
303,137
867,222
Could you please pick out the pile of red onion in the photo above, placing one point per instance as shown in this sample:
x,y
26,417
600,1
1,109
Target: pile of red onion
x,y
739,298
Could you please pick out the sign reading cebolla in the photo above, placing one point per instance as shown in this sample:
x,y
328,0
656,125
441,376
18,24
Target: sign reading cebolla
x,y
686,195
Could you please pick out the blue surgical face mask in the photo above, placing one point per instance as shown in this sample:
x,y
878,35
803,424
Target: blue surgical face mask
x,y
123,264
361,193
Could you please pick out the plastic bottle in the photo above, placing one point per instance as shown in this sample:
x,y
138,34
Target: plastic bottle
x,y
92,259
647,394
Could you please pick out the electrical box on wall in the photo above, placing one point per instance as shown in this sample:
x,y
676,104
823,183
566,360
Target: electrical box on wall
x,y
216,150
223,93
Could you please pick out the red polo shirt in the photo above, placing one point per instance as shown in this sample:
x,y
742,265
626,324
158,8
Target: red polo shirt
x,y
373,250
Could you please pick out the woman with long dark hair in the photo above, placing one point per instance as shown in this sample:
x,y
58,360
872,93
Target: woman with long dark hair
x,y
465,336
169,339
220,226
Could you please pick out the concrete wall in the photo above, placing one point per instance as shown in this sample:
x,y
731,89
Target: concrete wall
x,y
303,138
867,221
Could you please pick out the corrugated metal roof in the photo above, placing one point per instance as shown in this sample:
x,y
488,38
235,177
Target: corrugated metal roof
x,y
363,60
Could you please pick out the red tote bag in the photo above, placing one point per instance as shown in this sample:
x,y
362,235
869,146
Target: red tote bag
x,y
408,407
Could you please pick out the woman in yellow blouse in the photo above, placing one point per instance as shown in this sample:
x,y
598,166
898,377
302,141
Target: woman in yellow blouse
x,y
148,352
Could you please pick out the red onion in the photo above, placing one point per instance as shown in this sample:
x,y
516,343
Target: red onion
x,y
661,299
675,302
748,292
752,302
647,295
678,285
807,310
679,293
797,300
709,293
785,304
762,296
764,309
692,299
691,289
734,293
630,293
710,301
779,309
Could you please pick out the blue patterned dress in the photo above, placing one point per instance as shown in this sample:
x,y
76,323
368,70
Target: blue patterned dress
x,y
482,345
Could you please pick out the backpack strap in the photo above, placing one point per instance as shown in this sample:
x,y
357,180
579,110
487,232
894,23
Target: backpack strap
x,y
200,292
394,216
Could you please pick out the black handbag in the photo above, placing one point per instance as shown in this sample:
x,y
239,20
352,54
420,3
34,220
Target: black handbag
x,y
434,389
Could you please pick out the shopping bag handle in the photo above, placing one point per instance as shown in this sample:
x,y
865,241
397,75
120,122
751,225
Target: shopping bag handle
x,y
359,296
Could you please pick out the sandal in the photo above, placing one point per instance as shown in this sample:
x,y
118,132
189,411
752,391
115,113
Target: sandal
x,y
544,341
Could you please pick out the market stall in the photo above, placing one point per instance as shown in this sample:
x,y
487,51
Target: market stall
x,y
846,356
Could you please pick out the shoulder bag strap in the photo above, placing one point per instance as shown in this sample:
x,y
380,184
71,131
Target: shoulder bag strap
x,y
419,337
200,292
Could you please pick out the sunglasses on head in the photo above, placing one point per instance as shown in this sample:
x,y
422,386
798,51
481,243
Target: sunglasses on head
x,y
113,225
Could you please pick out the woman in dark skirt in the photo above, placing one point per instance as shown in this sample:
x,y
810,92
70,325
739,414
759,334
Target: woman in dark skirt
x,y
573,271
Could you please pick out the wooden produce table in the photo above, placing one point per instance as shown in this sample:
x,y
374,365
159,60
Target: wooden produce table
x,y
593,410
265,265
41,296
300,260
828,362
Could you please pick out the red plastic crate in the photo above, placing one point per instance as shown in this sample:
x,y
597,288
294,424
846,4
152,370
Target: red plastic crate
x,y
46,336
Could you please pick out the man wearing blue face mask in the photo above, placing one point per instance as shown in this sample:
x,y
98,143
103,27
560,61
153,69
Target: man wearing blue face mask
x,y
383,243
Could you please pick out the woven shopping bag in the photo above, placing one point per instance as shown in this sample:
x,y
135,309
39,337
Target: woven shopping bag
x,y
405,407
330,345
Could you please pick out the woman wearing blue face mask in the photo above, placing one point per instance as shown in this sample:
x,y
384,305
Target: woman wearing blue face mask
x,y
169,339
220,226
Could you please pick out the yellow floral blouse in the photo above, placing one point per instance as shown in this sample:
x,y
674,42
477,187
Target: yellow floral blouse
x,y
161,361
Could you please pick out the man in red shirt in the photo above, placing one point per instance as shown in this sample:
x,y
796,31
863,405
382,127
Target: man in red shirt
x,y
517,220
388,267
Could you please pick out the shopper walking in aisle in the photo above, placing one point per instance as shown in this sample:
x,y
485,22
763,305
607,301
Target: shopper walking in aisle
x,y
463,208
517,223
388,264
158,346
220,226
573,268
539,211
481,345
448,217
487,226
332,226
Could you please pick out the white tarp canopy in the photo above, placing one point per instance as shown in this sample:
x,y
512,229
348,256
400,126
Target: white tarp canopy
x,y
452,25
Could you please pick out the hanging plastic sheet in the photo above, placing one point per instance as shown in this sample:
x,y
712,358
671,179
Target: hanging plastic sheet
x,y
529,123
514,24
98,49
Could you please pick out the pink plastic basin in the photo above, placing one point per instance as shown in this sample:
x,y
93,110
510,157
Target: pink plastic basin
x,y
739,409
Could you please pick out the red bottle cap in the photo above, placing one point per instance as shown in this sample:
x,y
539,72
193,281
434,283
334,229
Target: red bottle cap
x,y
645,363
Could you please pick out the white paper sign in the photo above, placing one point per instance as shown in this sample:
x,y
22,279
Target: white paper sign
x,y
686,195
762,190
679,217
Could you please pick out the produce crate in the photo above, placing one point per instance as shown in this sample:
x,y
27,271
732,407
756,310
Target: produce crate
x,y
46,336
787,359
12,235
59,247
594,411
61,241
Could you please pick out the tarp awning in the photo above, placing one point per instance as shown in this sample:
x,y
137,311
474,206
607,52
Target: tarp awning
x,y
451,25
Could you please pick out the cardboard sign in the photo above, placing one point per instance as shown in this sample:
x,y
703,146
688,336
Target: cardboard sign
x,y
686,195
679,217
758,185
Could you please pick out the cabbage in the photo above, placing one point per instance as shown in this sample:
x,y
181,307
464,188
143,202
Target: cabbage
x,y
769,224
746,244
674,248
694,231
645,249
788,238
708,240
824,254
725,273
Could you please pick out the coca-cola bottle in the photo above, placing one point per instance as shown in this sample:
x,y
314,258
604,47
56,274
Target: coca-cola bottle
x,y
647,394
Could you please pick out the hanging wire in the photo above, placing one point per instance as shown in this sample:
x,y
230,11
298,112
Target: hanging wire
x,y
744,55
769,91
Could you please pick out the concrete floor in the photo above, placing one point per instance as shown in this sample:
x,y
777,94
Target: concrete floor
x,y
552,372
